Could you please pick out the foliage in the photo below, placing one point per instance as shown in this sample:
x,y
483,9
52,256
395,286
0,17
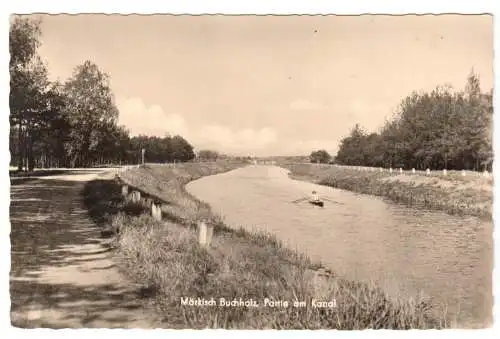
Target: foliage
x,y
320,156
436,130
208,155
28,83
160,150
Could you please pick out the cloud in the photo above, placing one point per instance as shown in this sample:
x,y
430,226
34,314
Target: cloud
x,y
140,119
304,105
152,120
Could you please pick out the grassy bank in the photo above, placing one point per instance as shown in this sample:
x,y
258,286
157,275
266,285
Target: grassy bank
x,y
166,258
453,193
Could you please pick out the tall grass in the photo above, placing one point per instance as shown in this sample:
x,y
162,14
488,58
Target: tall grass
x,y
166,258
453,194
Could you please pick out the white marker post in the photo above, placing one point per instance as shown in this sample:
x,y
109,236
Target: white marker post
x,y
445,172
136,196
463,173
205,233
427,171
413,170
210,233
155,211
142,155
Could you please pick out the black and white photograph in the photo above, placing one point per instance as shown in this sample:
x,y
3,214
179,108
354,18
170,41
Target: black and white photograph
x,y
251,172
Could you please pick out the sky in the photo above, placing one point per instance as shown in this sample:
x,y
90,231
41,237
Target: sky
x,y
268,85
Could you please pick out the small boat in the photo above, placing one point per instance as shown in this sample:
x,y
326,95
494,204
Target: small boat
x,y
317,203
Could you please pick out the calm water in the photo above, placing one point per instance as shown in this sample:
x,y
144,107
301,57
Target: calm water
x,y
361,237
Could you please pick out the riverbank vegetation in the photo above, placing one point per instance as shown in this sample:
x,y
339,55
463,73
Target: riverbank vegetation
x,y
443,129
471,194
167,259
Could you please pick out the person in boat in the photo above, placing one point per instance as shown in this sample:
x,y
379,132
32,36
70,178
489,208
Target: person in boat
x,y
315,199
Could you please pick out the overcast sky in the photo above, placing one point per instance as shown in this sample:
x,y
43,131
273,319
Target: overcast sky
x,y
268,85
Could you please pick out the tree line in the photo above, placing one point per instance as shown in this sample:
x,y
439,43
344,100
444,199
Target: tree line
x,y
443,129
72,123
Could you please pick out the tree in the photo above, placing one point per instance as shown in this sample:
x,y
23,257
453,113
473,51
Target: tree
x,y
477,126
351,147
72,123
181,149
90,107
166,149
439,129
52,130
28,83
208,155
320,156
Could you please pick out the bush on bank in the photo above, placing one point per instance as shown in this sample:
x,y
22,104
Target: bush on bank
x,y
166,258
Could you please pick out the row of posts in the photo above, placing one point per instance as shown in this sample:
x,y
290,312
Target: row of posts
x,y
205,228
135,196
400,170
428,172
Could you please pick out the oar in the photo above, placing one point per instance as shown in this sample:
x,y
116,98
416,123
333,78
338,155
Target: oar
x,y
298,200
335,202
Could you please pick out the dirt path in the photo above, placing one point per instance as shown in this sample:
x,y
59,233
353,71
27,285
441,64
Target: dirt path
x,y
62,273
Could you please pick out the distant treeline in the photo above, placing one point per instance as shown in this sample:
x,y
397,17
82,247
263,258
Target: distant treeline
x,y
71,123
436,130
158,150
